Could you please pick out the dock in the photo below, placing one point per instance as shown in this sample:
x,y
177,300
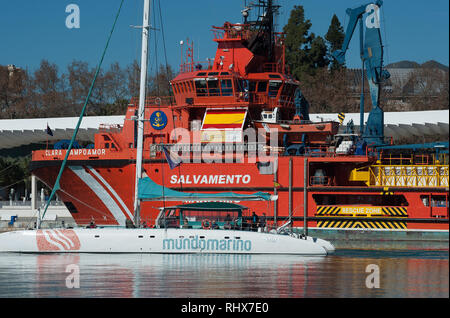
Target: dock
x,y
19,215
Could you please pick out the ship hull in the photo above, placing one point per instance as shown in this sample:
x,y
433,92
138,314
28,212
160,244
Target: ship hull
x,y
184,241
103,194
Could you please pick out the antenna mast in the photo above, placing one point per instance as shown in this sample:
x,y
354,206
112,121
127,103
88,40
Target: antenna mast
x,y
141,111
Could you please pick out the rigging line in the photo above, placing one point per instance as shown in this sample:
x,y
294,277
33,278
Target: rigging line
x,y
23,180
168,78
158,99
164,43
7,168
57,185
167,73
156,51
136,42
87,205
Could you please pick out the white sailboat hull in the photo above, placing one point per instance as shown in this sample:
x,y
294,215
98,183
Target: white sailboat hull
x,y
121,240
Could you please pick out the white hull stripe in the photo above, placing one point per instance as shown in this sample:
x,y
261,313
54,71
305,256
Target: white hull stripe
x,y
104,196
50,237
65,239
114,193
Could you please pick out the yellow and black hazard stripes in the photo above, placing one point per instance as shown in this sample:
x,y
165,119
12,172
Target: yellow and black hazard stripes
x,y
328,210
386,191
394,211
368,211
364,217
341,117
353,224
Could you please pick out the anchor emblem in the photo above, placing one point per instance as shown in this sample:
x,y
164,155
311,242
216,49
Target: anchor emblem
x,y
158,120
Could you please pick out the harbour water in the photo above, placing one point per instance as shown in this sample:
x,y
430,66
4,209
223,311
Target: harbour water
x,y
422,273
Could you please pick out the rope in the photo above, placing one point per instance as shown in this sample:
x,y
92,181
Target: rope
x,y
23,180
158,88
74,198
164,39
57,185
7,168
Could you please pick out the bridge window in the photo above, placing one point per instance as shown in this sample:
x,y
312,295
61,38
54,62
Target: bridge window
x,y
274,87
227,87
200,86
262,87
252,86
213,87
239,84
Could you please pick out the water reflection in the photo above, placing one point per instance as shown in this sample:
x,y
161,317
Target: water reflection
x,y
225,276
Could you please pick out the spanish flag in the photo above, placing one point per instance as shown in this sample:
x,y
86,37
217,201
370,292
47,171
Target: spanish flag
x,y
224,119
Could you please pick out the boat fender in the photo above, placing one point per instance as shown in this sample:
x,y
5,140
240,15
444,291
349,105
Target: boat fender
x,y
206,224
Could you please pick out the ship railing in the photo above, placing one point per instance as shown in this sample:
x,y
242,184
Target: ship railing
x,y
409,175
26,203
320,181
272,68
413,159
320,151
232,31
155,101
245,224
263,99
195,66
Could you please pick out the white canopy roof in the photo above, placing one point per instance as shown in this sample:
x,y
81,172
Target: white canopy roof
x,y
402,124
18,132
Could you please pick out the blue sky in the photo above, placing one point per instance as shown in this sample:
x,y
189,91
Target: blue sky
x,y
34,30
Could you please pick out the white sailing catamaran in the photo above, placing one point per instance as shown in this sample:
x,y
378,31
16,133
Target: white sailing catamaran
x,y
174,232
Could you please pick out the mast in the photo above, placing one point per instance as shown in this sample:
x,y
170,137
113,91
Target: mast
x,y
141,111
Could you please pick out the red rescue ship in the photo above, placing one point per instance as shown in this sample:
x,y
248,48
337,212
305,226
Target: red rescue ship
x,y
240,123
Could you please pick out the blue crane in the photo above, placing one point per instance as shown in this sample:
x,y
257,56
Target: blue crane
x,y
371,51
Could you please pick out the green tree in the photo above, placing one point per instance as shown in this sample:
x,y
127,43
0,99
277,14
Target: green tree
x,y
304,51
318,54
335,37
298,40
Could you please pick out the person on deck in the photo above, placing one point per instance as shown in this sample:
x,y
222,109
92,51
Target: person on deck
x,y
255,220
262,222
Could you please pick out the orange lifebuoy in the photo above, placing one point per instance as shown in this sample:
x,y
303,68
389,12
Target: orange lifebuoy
x,y
206,224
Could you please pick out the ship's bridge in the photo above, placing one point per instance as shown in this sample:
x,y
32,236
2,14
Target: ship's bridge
x,y
208,88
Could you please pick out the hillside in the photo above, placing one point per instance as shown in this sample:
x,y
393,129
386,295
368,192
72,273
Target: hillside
x,y
412,64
